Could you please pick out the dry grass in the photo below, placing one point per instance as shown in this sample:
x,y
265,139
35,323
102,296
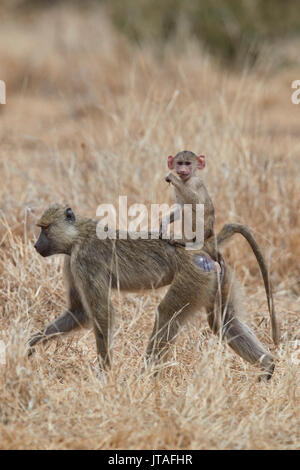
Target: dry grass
x,y
89,118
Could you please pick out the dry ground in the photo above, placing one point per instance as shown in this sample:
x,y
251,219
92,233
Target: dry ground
x,y
88,117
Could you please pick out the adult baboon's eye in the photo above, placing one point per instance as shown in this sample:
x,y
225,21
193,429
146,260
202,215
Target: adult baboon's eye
x,y
46,228
70,214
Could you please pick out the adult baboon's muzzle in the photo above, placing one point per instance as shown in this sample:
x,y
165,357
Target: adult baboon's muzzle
x,y
39,249
42,248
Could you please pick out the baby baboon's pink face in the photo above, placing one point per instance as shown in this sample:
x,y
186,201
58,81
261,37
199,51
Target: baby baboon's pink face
x,y
185,169
185,163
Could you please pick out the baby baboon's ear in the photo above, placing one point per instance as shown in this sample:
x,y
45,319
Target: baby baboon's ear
x,y
70,215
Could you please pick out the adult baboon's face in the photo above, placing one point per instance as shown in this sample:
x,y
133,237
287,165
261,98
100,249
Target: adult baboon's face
x,y
57,231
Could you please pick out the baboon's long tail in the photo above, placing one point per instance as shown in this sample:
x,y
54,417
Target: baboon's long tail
x,y
227,231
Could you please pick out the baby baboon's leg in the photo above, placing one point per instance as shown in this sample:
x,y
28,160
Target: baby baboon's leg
x,y
214,313
74,317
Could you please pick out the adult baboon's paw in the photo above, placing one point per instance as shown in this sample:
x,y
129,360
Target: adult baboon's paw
x,y
266,377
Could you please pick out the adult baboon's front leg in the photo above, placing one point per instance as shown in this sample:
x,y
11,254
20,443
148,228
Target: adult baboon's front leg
x,y
102,321
74,317
102,330
66,322
96,298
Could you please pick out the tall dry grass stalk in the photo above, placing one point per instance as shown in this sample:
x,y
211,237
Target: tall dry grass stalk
x,y
88,117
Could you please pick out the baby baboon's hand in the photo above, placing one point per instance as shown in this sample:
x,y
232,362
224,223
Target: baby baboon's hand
x,y
168,177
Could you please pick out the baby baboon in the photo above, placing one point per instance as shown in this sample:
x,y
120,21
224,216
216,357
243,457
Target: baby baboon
x,y
189,188
94,266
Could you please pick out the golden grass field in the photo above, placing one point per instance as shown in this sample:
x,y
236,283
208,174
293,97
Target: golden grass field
x,y
88,118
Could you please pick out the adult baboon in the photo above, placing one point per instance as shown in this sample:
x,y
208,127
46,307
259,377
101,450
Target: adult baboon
x,y
93,266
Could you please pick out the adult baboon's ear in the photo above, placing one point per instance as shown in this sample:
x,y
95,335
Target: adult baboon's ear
x,y
70,215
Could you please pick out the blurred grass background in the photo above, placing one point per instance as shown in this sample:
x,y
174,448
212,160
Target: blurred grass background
x,y
98,95
232,30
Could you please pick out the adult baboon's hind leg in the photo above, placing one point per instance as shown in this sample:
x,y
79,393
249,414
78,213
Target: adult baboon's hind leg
x,y
244,342
74,317
241,338
171,313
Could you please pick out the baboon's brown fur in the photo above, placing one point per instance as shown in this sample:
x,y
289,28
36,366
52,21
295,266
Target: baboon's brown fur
x,y
93,266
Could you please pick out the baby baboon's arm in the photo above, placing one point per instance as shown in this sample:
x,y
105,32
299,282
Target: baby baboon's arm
x,y
187,194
